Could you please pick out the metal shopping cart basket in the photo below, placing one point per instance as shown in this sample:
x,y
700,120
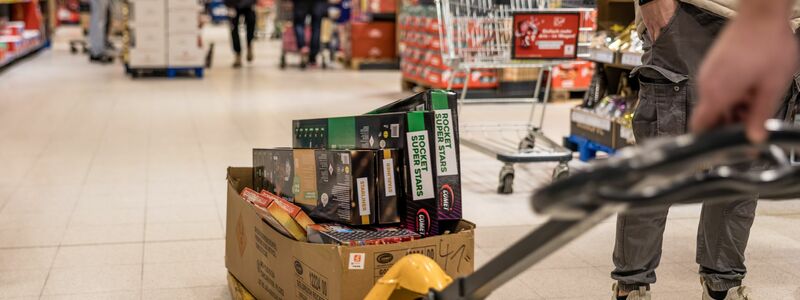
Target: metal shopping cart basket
x,y
478,34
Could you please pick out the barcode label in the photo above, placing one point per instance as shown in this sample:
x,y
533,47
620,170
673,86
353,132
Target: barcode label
x,y
346,158
395,130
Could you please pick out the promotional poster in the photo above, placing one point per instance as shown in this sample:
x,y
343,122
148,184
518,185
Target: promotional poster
x,y
545,35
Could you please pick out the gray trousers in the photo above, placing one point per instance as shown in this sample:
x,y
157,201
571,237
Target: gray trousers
x,y
97,27
666,99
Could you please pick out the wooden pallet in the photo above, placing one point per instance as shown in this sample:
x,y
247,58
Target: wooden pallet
x,y
238,291
373,64
165,72
566,95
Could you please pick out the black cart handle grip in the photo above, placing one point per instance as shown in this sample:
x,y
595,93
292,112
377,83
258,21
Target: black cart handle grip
x,y
718,165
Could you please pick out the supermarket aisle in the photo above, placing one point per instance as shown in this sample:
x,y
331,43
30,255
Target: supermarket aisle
x,y
114,189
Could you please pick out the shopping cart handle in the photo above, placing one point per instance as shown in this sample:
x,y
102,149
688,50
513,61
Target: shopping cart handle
x,y
718,165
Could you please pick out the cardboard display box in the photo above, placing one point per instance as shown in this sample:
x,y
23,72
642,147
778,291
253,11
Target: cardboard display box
x,y
423,216
272,266
604,130
372,40
355,187
594,127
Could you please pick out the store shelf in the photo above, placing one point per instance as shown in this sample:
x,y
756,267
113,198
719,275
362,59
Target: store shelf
x,y
8,60
14,1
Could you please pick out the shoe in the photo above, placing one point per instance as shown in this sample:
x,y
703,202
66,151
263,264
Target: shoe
x,y
249,53
237,62
641,294
737,293
101,59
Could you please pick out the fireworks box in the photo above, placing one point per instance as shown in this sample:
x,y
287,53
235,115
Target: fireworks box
x,y
413,133
355,187
422,215
344,235
285,217
272,266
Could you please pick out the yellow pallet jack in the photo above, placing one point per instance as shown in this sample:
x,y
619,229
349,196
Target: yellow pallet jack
x,y
679,170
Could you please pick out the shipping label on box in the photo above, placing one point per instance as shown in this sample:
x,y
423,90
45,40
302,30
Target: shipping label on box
x,y
272,266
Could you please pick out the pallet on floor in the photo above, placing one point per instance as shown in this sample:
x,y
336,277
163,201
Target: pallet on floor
x,y
196,72
564,95
238,291
587,149
374,64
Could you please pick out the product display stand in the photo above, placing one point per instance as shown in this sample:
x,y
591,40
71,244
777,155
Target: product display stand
x,y
27,31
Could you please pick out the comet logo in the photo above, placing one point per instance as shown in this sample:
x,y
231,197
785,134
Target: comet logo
x,y
446,198
423,221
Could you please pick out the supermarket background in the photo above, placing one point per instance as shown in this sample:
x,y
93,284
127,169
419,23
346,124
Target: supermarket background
x,y
112,183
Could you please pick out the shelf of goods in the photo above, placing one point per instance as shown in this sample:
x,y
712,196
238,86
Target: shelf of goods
x,y
163,35
370,37
23,29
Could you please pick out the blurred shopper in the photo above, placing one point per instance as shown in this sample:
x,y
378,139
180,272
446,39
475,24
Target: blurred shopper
x,y
753,61
242,9
98,32
317,10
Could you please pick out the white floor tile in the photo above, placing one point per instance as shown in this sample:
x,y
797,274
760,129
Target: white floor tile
x,y
93,279
198,293
184,231
185,251
184,275
123,295
98,255
100,234
22,283
27,258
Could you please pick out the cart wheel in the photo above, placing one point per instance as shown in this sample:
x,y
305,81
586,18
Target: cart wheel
x,y
528,142
73,49
283,62
561,171
506,185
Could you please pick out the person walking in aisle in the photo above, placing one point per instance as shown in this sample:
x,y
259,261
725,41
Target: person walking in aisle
x,y
317,10
239,9
98,32
742,80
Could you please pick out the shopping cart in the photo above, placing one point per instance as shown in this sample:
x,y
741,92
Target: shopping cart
x,y
284,21
478,34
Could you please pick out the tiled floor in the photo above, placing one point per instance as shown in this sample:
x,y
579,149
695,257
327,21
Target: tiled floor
x,y
112,188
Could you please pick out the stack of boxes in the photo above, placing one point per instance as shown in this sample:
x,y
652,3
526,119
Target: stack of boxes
x,y
398,164
165,34
16,39
183,35
420,53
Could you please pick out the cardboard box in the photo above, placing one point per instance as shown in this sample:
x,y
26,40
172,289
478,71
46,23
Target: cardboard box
x,y
190,58
147,58
272,266
446,158
355,187
183,21
149,38
623,135
149,13
519,74
183,4
375,40
596,128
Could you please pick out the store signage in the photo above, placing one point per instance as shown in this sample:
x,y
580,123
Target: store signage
x,y
540,35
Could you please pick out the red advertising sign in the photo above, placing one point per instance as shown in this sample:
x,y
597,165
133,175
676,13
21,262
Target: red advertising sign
x,y
545,35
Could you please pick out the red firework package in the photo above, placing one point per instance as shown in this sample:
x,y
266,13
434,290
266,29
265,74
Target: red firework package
x,y
294,211
280,214
344,235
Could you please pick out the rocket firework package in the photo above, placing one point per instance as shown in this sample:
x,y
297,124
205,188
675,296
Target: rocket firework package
x,y
446,155
356,187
